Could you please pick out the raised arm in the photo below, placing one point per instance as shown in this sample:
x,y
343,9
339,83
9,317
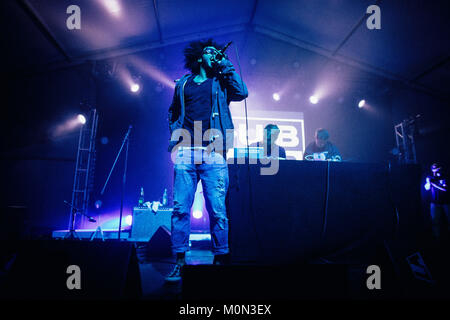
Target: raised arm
x,y
230,79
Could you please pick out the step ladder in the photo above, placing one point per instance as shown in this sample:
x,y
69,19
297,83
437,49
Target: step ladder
x,y
84,168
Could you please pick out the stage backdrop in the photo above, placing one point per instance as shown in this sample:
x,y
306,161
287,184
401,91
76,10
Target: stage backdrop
x,y
291,125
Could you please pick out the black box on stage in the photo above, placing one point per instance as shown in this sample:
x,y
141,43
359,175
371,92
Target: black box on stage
x,y
146,222
40,270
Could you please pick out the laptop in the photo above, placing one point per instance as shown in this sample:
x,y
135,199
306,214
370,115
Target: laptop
x,y
255,152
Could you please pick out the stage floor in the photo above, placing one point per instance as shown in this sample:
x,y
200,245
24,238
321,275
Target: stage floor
x,y
154,271
318,279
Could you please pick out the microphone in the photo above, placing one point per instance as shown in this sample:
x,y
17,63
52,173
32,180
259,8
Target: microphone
x,y
221,53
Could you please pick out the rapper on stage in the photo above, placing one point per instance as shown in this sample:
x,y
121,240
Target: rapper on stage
x,y
199,118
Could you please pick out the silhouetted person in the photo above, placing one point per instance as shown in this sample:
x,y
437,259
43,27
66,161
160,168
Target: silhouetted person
x,y
439,204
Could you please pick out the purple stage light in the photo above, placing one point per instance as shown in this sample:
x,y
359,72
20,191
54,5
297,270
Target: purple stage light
x,y
313,99
112,6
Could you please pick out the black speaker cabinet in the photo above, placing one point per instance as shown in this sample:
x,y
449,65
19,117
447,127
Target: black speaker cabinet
x,y
146,222
42,270
160,244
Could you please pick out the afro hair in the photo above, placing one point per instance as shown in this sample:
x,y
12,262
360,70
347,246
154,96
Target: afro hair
x,y
194,51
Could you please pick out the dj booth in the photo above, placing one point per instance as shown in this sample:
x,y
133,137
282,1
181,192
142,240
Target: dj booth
x,y
309,210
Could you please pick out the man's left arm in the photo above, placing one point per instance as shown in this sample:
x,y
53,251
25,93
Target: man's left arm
x,y
236,88
334,152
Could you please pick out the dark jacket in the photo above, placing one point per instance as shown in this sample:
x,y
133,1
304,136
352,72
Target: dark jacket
x,y
331,149
227,86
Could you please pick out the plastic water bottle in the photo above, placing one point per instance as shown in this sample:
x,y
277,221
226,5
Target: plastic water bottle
x,y
141,198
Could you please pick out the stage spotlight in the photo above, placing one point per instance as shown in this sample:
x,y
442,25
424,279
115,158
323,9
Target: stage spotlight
x,y
81,119
98,204
276,97
112,6
134,87
197,214
129,220
361,103
313,99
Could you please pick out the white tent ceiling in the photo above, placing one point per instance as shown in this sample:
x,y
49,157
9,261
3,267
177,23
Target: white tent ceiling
x,y
412,46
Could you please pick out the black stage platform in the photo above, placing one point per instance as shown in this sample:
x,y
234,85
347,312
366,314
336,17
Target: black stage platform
x,y
112,270
309,232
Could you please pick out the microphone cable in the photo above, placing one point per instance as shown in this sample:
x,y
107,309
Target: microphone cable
x,y
327,193
250,200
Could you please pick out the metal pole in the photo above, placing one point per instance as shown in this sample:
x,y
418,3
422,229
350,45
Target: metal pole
x,y
124,181
123,186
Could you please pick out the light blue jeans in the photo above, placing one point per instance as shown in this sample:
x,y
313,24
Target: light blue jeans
x,y
211,168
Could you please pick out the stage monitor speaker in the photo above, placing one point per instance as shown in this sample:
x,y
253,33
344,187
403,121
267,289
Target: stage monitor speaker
x,y
106,270
160,243
146,222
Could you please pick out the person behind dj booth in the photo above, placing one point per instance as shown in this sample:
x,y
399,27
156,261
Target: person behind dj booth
x,y
271,133
440,199
202,98
322,147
